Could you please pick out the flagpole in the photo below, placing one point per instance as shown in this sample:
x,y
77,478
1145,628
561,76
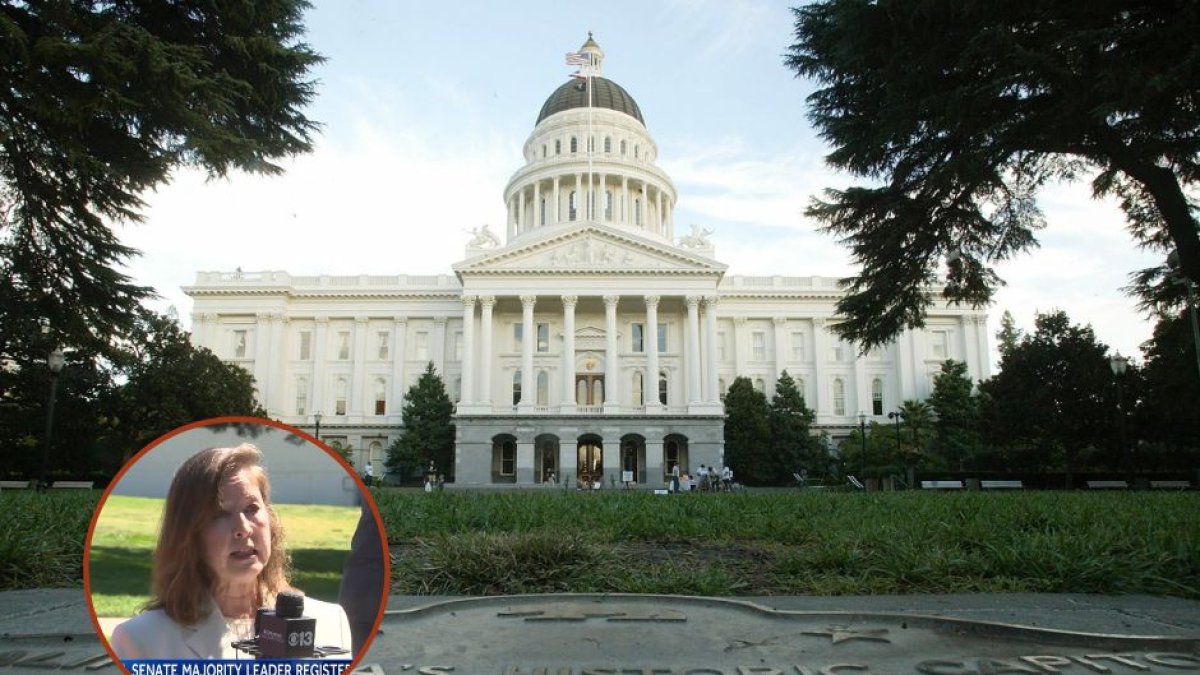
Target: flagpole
x,y
591,141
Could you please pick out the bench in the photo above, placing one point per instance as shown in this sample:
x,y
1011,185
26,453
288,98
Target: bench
x,y
855,482
941,485
1108,484
1171,484
71,485
14,484
1002,484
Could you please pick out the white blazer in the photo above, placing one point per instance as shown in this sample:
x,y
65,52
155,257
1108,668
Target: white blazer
x,y
154,635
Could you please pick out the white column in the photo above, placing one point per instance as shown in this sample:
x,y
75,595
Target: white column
x,y
904,362
862,391
711,395
511,207
650,381
780,333
670,218
985,364
643,209
557,205
358,374
568,398
468,360
279,358
320,356
661,229
537,204
741,347
580,200
521,210
601,200
399,345
612,388
486,303
262,351
528,338
820,358
438,345
693,348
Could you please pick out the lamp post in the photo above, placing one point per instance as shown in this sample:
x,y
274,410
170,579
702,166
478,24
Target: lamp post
x,y
1119,364
317,419
862,431
55,363
1177,277
897,415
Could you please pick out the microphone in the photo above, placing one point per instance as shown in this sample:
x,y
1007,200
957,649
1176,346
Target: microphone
x,y
284,632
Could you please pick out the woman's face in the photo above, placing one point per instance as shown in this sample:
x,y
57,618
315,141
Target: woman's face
x,y
237,543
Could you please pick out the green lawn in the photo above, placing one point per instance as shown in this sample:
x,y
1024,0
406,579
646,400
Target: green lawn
x,y
318,538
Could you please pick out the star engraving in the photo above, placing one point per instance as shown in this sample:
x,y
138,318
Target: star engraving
x,y
840,634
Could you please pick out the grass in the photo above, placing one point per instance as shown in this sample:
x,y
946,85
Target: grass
x,y
318,538
747,544
794,543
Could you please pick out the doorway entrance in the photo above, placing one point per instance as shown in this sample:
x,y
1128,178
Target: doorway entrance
x,y
591,463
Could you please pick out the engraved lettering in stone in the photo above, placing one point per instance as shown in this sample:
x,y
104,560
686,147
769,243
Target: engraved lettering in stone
x,y
9,658
940,668
702,671
601,671
996,666
435,670
93,662
1048,663
1181,661
42,661
373,669
832,670
1091,664
758,670
801,670
840,634
1120,658
647,671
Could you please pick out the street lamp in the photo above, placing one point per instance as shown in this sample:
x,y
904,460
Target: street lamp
x,y
317,419
862,431
1119,364
55,363
897,415
1177,277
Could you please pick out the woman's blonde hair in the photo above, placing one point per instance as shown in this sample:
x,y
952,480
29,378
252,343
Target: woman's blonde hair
x,y
182,582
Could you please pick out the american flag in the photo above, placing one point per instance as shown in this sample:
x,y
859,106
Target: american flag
x,y
578,59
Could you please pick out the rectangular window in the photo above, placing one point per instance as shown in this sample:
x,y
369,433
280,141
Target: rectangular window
x,y
720,346
305,345
835,351
384,341
637,332
797,346
343,345
543,337
518,336
458,345
508,459
239,344
939,342
421,346
839,397
380,407
339,406
758,341
662,338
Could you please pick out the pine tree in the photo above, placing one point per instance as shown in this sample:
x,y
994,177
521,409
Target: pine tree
x,y
748,447
955,437
1009,335
793,447
428,434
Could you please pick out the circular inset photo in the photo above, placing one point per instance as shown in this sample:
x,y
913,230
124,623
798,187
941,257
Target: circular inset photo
x,y
236,538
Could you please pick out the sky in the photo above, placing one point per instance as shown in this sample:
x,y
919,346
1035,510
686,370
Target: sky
x,y
425,108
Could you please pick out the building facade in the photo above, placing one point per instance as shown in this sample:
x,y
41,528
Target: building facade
x,y
591,344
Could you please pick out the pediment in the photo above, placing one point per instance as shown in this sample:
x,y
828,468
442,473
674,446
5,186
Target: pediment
x,y
590,248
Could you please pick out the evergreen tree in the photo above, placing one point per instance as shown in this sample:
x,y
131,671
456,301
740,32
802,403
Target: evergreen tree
x,y
955,431
1168,417
428,434
1009,335
748,447
958,112
100,102
793,447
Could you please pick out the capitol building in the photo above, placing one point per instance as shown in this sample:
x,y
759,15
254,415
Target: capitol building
x,y
590,340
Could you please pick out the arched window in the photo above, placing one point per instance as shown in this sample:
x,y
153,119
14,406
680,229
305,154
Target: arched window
x,y
557,147
759,385
608,205
622,147
516,387
637,211
839,396
721,387
635,152
877,396
457,389
574,145
662,388
608,145
302,396
339,402
638,394
375,455
380,396
542,217
571,206
543,388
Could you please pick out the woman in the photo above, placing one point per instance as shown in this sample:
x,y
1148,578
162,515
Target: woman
x,y
220,557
